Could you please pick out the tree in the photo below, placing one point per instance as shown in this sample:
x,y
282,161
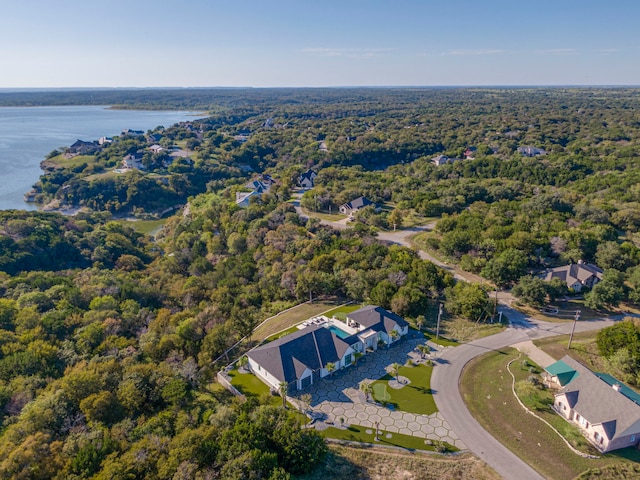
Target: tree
x,y
283,389
395,370
382,293
420,321
424,350
331,367
468,300
531,290
395,218
366,388
394,335
608,292
506,268
305,400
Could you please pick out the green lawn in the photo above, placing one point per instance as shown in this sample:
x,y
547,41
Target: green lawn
x,y
148,227
486,388
356,433
250,386
63,162
416,397
342,312
293,316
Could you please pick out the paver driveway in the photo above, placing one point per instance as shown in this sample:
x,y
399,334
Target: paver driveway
x,y
339,396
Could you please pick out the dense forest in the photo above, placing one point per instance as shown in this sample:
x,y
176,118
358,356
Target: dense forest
x,y
110,340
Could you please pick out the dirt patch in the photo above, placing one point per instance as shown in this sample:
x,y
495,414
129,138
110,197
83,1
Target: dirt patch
x,y
382,464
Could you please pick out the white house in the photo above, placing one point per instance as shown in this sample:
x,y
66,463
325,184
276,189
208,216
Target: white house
x,y
606,411
301,358
133,161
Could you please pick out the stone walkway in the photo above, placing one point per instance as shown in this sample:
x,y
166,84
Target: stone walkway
x,y
536,354
339,396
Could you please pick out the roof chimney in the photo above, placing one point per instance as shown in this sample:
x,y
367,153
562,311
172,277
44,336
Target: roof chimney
x,y
616,387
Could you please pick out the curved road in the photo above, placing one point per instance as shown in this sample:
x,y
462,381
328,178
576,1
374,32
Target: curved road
x,y
445,382
446,376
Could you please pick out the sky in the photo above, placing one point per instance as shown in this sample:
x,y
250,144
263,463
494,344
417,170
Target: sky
x,y
317,43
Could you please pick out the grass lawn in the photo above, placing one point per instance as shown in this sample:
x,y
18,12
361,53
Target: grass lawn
x,y
63,162
459,330
486,388
566,311
360,463
330,217
342,312
250,386
356,433
148,227
415,397
293,316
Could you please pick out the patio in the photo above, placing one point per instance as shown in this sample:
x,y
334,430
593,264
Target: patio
x,y
338,396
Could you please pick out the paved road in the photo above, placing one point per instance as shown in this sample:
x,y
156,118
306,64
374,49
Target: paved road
x,y
445,383
446,376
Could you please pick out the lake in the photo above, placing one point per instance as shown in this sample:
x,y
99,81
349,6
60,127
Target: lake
x,y
28,134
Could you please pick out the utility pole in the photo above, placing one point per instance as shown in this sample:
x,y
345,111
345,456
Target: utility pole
x,y
495,307
438,324
573,328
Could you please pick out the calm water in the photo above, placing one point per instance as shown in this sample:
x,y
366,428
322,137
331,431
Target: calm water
x,y
28,134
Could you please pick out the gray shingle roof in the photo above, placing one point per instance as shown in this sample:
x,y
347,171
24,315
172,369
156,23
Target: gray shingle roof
x,y
358,203
576,272
596,401
288,357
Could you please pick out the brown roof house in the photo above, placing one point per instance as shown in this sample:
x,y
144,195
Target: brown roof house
x,y
576,276
606,411
322,345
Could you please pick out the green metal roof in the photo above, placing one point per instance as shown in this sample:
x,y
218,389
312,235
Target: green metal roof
x,y
564,372
626,391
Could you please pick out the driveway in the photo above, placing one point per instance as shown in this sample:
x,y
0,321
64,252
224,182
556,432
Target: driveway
x,y
339,397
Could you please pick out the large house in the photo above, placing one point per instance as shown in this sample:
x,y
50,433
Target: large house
x,y
80,147
606,411
133,161
307,179
576,276
322,345
256,188
353,206
528,151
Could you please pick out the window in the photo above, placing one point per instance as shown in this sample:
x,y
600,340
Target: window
x,y
597,437
348,359
305,382
633,438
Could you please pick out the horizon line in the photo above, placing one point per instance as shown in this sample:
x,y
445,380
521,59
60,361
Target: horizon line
x,y
222,87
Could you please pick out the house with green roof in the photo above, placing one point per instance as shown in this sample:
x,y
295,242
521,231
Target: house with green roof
x,y
606,411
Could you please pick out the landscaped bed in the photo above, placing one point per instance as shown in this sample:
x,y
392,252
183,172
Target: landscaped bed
x,y
356,433
415,397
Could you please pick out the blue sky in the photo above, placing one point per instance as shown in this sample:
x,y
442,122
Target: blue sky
x,y
278,43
